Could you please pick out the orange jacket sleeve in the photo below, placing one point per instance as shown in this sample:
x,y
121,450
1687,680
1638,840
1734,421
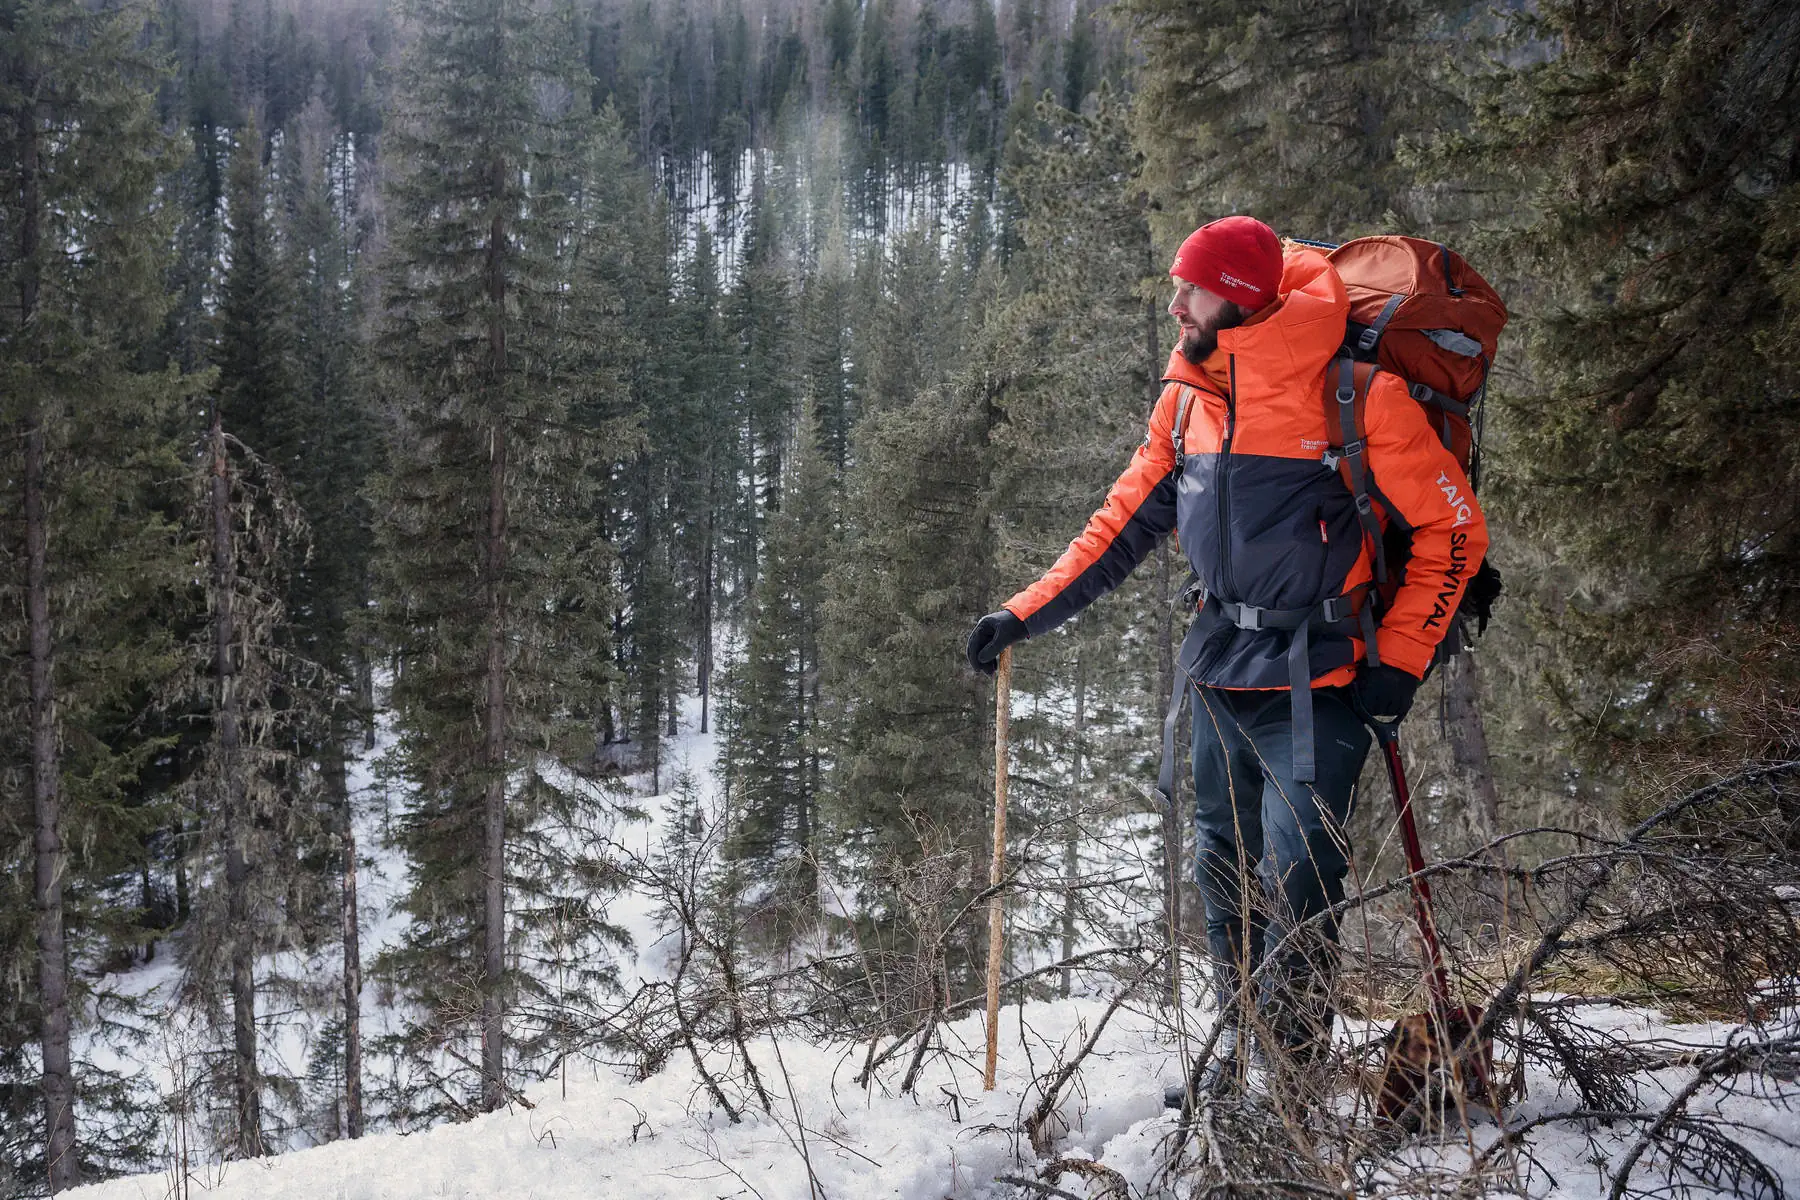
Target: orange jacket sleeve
x,y
1139,511
1418,482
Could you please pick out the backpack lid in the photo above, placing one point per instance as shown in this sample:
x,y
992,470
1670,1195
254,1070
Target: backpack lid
x,y
1440,291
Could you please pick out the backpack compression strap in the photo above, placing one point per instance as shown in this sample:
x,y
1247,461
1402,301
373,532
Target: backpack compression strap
x,y
1346,396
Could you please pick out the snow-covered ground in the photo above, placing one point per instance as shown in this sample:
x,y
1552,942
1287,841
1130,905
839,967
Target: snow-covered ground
x,y
621,1139
163,1053
602,1133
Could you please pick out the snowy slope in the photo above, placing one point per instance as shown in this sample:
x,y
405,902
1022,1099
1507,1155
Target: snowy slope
x,y
161,1044
615,1138
602,1133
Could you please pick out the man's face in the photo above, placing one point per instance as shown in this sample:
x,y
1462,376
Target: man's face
x,y
1201,315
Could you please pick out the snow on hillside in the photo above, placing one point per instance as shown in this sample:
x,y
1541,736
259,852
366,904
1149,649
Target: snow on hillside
x,y
696,755
615,1138
161,1054
602,1133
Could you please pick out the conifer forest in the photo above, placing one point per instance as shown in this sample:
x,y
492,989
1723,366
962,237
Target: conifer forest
x,y
427,422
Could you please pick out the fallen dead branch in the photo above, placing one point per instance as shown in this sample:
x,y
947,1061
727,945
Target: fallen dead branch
x,y
1035,1124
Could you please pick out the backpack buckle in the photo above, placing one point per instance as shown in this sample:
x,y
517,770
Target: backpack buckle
x,y
1336,454
1364,505
1248,616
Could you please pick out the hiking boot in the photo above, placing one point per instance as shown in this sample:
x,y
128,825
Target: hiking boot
x,y
1223,1074
1293,1048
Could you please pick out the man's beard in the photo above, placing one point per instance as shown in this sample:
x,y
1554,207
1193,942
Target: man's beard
x,y
1197,346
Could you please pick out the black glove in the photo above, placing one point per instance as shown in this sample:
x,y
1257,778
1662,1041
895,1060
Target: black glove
x,y
1382,694
1483,590
992,634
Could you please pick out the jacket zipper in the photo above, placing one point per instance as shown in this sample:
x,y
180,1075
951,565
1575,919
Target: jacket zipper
x,y
1225,584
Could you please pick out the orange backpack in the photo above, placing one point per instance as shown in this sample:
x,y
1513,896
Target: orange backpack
x,y
1419,311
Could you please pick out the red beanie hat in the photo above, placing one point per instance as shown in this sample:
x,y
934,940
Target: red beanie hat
x,y
1238,258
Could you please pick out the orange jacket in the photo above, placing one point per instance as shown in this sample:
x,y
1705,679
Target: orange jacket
x,y
1262,519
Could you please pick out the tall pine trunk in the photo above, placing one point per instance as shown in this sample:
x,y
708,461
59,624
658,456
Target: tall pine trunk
x,y
53,961
1468,744
246,1085
336,778
493,1010
184,899
365,695
46,766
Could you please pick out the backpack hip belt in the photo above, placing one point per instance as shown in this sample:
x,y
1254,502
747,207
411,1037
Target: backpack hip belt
x,y
1348,613
1352,609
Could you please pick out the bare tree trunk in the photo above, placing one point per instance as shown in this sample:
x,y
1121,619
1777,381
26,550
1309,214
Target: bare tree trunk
x,y
705,656
147,898
365,698
1072,826
1468,744
50,862
493,1033
337,780
238,869
184,900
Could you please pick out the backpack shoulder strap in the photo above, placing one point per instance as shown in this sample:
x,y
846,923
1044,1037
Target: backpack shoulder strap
x,y
1346,397
1183,403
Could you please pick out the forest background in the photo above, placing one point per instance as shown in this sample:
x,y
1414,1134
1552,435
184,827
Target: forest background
x,y
518,369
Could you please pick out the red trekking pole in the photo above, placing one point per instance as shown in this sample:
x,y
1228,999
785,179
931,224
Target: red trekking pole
x,y
1446,1046
1389,737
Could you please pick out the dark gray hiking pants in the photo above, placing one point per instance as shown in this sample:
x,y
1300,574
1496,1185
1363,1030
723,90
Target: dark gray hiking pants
x,y
1273,852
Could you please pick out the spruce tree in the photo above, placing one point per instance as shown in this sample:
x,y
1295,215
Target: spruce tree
x,y
624,271
1077,350
910,329
823,354
1292,111
760,318
257,817
487,509
700,433
774,739
1652,445
907,720
83,545
328,458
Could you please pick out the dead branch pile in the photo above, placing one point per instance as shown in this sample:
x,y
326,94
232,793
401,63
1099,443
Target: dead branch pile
x,y
1694,912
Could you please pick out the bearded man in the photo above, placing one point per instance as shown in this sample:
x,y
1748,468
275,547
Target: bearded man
x,y
1287,655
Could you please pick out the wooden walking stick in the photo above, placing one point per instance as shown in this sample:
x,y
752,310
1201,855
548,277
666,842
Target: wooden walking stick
x,y
997,870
